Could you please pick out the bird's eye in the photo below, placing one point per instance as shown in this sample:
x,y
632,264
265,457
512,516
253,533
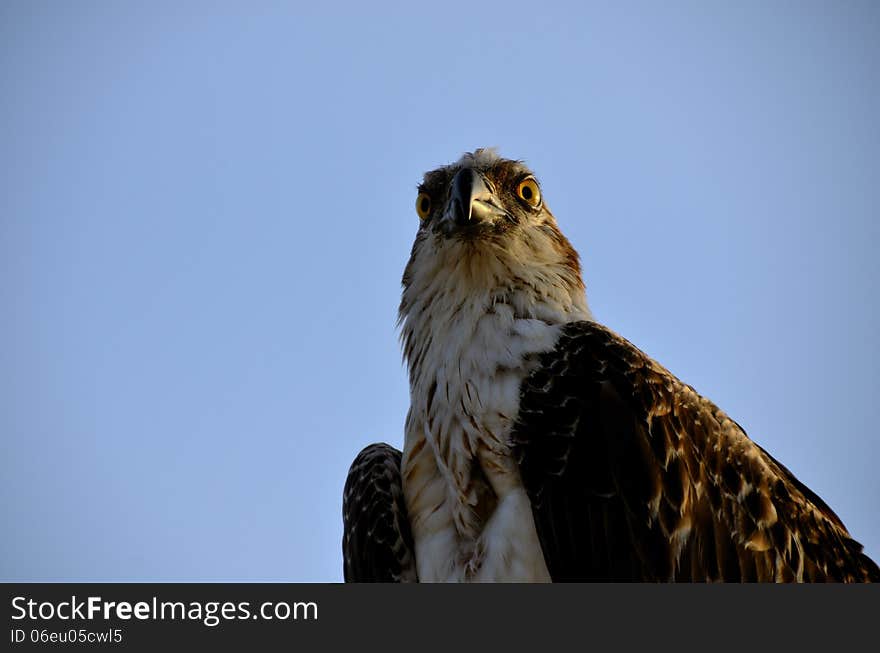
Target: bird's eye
x,y
528,192
423,205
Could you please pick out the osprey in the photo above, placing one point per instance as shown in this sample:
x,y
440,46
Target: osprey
x,y
542,446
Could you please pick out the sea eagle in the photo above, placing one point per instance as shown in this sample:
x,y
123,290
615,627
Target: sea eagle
x,y
542,446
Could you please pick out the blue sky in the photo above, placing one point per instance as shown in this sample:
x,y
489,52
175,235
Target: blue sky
x,y
205,210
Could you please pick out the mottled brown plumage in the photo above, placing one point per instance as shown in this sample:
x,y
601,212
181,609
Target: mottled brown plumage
x,y
377,544
634,476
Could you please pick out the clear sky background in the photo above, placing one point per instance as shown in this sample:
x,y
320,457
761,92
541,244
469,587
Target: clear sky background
x,y
205,210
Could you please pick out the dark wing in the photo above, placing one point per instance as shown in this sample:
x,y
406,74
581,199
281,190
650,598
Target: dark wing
x,y
634,476
376,542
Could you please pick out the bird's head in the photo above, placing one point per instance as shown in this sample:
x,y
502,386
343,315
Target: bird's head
x,y
486,236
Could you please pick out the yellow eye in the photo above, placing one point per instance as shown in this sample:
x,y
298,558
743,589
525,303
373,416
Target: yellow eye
x,y
423,205
529,192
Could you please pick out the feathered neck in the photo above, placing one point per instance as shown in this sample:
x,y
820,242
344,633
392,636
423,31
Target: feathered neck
x,y
453,287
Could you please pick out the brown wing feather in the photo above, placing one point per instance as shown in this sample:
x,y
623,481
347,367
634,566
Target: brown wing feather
x,y
376,542
635,476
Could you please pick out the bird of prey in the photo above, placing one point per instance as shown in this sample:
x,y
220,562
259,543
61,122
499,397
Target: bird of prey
x,y
542,446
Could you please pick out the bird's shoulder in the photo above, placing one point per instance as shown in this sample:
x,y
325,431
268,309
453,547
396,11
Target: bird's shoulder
x,y
601,424
377,542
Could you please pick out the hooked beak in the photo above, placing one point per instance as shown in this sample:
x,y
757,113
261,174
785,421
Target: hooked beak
x,y
471,200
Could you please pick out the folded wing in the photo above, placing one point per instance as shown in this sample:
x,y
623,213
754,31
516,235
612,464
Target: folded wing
x,y
633,476
376,543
